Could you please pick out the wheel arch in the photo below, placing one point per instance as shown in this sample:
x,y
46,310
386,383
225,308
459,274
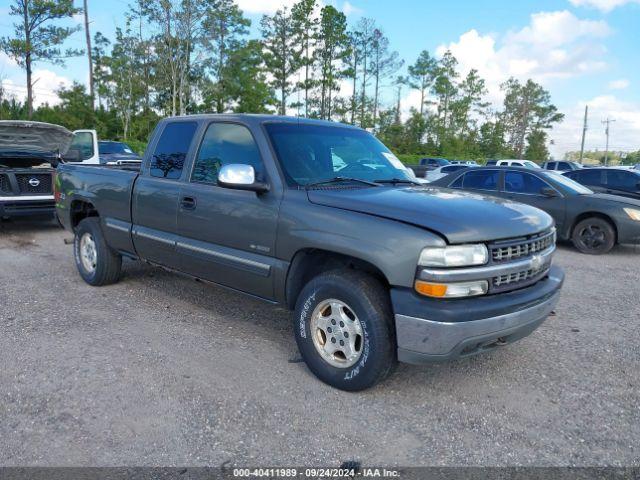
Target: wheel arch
x,y
80,209
310,262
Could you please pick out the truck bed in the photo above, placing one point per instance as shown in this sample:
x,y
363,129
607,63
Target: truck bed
x,y
107,187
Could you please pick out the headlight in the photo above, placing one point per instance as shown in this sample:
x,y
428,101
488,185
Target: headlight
x,y
451,290
454,256
633,214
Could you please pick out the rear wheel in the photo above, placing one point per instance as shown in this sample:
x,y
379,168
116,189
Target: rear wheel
x,y
97,263
594,236
344,329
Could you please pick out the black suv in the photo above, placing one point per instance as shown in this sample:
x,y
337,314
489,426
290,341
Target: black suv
x,y
615,181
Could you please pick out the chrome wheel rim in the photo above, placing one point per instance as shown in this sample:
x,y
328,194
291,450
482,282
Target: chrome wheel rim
x,y
88,254
337,333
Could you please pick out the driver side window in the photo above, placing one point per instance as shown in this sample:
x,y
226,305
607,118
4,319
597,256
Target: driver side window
x,y
223,144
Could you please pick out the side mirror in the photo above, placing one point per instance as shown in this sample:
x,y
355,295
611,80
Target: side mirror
x,y
72,155
239,176
549,192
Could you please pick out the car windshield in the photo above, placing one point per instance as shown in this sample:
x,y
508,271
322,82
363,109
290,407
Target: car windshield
x,y
571,185
310,154
107,148
530,164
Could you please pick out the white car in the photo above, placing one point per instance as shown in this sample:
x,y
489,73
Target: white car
x,y
437,173
513,163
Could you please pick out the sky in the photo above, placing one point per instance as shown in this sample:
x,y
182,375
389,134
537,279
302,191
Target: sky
x,y
585,52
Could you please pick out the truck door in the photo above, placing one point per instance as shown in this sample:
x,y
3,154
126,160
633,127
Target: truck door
x,y
227,236
85,146
157,191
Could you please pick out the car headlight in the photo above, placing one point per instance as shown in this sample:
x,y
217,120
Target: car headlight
x,y
454,256
633,214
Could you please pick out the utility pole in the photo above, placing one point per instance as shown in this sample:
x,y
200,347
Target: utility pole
x,y
88,38
584,132
607,122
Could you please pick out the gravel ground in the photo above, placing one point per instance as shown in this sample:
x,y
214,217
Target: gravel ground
x,y
161,370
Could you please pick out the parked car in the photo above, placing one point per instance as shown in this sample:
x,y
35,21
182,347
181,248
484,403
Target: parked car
x,y
513,163
440,172
118,153
427,164
561,166
27,150
615,181
376,267
594,222
472,163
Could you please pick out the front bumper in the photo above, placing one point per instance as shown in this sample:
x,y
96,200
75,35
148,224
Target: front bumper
x,y
430,330
628,231
26,206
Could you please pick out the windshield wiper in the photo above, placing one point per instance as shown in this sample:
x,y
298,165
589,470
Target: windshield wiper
x,y
398,180
341,179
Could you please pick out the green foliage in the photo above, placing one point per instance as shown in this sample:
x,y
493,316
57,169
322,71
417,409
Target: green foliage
x,y
536,146
175,57
37,37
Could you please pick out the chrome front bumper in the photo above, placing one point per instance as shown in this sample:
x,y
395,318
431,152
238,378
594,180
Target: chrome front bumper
x,y
422,340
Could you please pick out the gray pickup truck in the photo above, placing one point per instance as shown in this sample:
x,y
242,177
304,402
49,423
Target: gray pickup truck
x,y
323,219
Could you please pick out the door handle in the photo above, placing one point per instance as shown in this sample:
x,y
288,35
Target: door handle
x,y
188,203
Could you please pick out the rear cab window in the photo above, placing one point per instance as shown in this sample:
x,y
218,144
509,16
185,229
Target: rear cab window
x,y
170,153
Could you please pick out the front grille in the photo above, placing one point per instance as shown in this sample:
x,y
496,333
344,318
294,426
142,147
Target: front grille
x,y
5,186
516,249
520,279
34,183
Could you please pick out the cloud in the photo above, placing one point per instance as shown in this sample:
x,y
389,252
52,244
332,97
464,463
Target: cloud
x,y
46,83
555,45
6,61
624,133
602,5
349,9
620,84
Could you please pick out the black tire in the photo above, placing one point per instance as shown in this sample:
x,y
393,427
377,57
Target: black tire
x,y
369,301
107,262
594,236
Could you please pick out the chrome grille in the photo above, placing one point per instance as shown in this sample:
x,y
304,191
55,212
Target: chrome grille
x,y
522,248
518,277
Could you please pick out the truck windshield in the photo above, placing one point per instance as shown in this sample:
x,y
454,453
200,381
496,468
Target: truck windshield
x,y
108,148
310,154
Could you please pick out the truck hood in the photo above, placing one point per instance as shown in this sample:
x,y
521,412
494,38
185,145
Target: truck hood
x,y
26,144
461,217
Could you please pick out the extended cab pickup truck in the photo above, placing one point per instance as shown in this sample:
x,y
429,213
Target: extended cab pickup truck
x,y
323,219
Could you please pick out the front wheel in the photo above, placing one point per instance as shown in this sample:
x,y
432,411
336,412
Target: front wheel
x,y
344,329
594,236
97,263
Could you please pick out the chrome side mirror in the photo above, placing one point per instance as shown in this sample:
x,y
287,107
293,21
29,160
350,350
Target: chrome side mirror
x,y
239,176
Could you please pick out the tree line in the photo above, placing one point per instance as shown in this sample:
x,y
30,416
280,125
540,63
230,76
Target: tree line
x,y
177,57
